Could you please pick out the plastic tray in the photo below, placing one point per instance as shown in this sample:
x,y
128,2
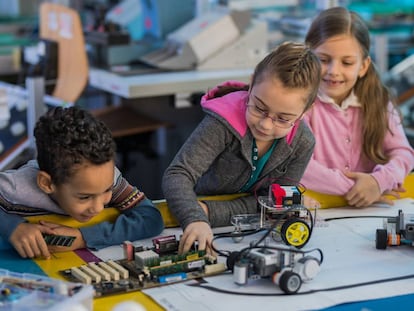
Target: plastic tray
x,y
24,291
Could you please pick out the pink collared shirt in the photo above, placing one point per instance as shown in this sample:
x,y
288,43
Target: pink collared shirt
x,y
338,148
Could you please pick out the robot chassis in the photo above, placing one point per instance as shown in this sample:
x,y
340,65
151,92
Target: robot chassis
x,y
286,267
284,206
396,231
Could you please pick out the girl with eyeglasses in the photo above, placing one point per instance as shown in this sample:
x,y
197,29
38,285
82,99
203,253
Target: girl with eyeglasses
x,y
361,151
252,136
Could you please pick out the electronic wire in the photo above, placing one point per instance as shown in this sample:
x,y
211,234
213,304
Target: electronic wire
x,y
268,231
351,217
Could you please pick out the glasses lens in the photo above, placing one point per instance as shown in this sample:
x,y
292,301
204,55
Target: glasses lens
x,y
256,112
282,124
263,114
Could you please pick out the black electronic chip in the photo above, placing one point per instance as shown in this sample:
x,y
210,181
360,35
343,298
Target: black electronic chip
x,y
58,240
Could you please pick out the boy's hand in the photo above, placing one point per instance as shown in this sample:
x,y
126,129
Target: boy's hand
x,y
197,231
79,242
28,240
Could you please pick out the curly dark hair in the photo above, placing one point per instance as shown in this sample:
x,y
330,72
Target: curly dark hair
x,y
67,137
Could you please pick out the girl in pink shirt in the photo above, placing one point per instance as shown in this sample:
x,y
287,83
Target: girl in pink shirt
x,y
361,151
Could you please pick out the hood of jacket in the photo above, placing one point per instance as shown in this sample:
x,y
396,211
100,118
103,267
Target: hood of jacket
x,y
230,107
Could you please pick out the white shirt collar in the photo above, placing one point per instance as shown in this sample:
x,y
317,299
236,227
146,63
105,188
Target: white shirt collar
x,y
350,101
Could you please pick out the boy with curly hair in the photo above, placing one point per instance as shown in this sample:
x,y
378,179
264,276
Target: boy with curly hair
x,y
74,175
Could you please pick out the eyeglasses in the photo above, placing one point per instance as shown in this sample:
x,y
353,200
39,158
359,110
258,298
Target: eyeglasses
x,y
260,113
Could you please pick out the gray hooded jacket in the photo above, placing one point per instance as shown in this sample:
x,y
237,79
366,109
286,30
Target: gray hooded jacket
x,y
217,159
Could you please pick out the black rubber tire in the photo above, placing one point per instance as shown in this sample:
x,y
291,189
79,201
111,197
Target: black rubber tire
x,y
290,282
381,238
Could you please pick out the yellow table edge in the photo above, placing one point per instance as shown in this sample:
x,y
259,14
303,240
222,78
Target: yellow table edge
x,y
332,201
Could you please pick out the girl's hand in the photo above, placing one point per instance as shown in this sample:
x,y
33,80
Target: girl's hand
x,y
395,193
365,191
28,240
79,242
197,231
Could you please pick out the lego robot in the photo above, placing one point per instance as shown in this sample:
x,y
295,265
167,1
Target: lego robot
x,y
396,231
286,267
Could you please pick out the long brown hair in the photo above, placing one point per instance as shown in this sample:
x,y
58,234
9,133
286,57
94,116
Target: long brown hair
x,y
293,64
371,92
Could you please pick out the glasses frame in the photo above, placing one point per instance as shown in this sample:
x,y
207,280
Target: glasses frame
x,y
259,113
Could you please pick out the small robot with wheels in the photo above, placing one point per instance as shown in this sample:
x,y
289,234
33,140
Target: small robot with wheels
x,y
396,231
283,206
286,267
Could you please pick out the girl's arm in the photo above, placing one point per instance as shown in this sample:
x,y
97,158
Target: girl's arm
x,y
318,177
321,179
392,174
221,212
194,158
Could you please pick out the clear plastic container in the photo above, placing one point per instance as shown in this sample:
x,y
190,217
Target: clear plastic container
x,y
24,291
